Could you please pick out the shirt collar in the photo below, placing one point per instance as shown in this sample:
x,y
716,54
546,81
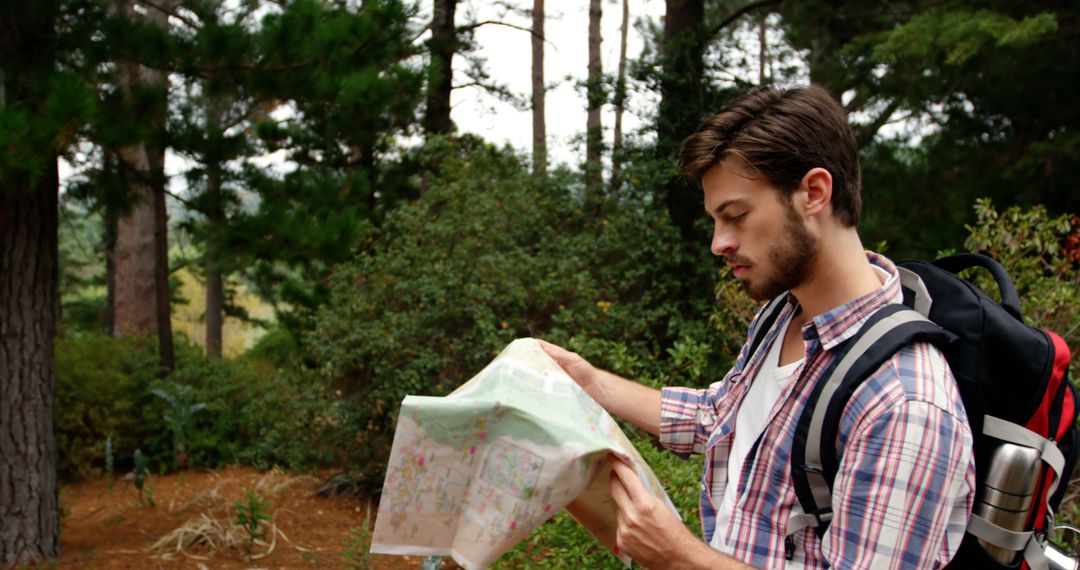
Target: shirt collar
x,y
837,325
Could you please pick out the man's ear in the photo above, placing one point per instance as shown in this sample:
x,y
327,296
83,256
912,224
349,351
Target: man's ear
x,y
817,183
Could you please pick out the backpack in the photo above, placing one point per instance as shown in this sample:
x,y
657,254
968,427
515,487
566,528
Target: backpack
x,y
1013,380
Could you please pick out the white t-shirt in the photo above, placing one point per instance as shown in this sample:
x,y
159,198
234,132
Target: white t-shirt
x,y
771,381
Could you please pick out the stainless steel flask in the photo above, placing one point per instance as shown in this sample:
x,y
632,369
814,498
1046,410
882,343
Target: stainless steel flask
x,y
1008,494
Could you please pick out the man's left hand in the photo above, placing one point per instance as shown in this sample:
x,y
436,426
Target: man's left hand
x,y
649,532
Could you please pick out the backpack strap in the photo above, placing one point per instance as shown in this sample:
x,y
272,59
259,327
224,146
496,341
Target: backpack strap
x,y
1010,300
768,317
814,457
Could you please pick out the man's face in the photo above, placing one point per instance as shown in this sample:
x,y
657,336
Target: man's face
x,y
757,231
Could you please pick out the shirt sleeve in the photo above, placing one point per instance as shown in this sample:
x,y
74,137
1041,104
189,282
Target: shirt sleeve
x,y
904,490
688,415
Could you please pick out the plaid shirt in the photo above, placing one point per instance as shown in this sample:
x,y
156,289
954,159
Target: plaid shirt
x,y
906,482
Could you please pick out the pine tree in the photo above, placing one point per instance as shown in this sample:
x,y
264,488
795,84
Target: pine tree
x,y
42,106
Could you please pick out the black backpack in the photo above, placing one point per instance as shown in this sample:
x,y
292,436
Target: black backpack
x,y
1013,380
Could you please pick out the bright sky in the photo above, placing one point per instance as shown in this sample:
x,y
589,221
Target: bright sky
x,y
508,54
509,61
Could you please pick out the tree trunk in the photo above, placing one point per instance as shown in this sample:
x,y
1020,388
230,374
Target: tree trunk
x,y
29,297
156,153
620,103
763,50
142,241
215,305
442,45
681,106
215,218
135,295
594,136
538,91
29,511
110,220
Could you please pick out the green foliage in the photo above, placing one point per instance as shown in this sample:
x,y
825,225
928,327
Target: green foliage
x,y
251,513
142,479
1031,245
247,410
179,417
101,386
485,258
357,552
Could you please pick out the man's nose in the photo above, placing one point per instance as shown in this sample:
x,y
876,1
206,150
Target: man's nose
x,y
723,242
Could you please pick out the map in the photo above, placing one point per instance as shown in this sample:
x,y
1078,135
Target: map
x,y
472,474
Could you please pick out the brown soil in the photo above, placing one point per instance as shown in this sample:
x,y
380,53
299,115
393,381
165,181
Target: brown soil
x,y
190,526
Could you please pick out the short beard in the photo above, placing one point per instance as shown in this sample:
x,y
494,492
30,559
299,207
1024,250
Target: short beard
x,y
791,258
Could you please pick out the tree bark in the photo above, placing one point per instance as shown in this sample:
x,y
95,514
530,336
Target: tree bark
x,y
141,278
594,137
442,45
215,219
763,50
681,105
29,297
539,124
29,511
134,292
215,306
620,102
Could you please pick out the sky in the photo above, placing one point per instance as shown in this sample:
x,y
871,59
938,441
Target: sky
x,y
508,55
509,60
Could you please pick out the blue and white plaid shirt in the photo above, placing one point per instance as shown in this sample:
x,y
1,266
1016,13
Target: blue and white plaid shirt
x,y
906,482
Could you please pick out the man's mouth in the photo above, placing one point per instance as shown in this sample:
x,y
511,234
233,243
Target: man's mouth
x,y
739,270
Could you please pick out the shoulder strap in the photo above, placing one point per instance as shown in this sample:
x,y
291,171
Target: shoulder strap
x,y
814,457
768,317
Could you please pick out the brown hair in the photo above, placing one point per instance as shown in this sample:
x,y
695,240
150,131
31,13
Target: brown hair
x,y
781,135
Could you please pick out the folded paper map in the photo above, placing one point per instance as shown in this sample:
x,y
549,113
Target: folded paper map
x,y
472,474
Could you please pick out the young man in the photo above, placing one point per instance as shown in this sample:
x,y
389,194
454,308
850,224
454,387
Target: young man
x,y
781,180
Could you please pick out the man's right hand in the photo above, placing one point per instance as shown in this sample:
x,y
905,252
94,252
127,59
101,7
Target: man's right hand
x,y
585,374
624,398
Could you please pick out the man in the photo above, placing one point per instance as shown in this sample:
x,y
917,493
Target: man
x,y
780,175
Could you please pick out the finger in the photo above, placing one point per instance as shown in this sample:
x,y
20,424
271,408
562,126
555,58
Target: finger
x,y
619,494
628,479
555,351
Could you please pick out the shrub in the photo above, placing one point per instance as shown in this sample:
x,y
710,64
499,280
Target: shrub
x,y
213,411
1044,264
101,386
486,256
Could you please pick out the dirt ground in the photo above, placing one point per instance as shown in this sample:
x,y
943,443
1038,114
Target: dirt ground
x,y
190,525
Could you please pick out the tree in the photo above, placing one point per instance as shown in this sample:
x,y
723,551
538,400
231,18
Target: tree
x,y
41,108
681,104
987,87
212,127
620,101
539,123
594,134
140,257
345,77
442,46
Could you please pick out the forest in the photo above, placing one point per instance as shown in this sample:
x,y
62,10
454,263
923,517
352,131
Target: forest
x,y
329,239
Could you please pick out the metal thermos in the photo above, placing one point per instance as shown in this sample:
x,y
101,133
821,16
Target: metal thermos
x,y
1008,494
1058,560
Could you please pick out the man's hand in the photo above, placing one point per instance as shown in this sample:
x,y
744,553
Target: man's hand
x,y
586,375
651,534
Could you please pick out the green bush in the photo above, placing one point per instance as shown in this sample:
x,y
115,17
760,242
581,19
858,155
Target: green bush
x,y
486,256
101,387
1033,247
248,410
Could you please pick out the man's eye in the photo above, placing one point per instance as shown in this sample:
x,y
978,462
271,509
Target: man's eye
x,y
736,218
